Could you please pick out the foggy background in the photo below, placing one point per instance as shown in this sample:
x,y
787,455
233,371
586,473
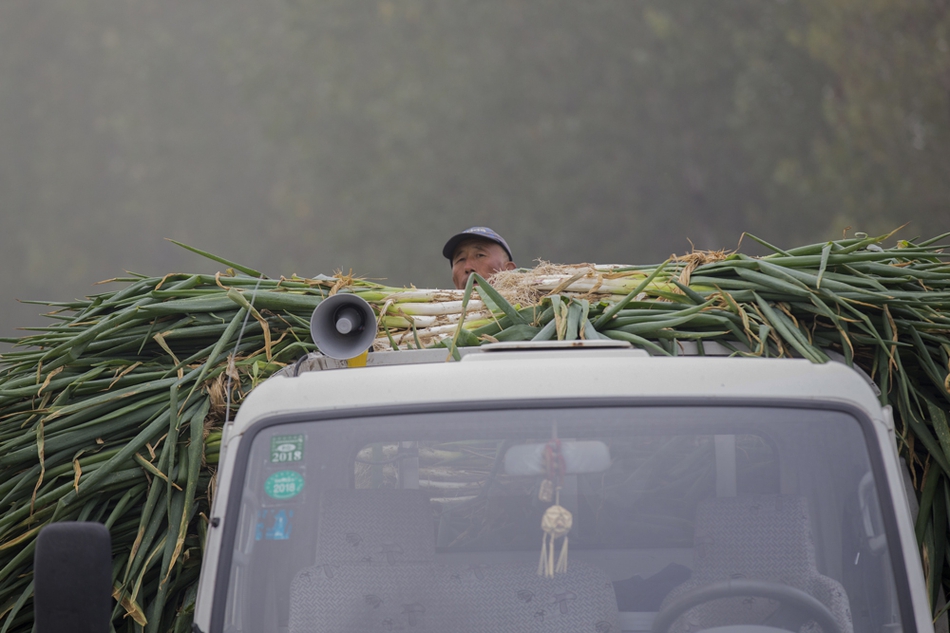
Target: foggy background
x,y
302,136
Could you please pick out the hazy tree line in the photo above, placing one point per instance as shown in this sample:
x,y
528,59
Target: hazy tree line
x,y
309,135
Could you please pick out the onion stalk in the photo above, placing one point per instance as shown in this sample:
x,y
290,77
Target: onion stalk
x,y
113,412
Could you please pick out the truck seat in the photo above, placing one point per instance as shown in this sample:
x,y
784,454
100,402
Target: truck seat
x,y
428,596
380,526
513,597
375,571
757,537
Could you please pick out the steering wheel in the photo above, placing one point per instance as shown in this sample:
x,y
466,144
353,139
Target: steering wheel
x,y
789,596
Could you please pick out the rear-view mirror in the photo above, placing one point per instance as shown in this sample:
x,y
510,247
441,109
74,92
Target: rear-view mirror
x,y
580,457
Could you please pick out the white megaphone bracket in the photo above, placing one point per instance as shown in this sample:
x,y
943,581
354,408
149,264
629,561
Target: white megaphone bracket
x,y
343,326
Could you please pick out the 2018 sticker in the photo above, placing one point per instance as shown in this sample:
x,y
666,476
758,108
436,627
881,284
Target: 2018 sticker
x,y
286,448
284,484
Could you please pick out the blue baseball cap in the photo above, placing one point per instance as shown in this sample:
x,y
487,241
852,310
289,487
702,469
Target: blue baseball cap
x,y
476,231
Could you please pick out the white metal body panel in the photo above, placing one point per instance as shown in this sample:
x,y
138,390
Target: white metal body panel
x,y
548,374
212,550
544,375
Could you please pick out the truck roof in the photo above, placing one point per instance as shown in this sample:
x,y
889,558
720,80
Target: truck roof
x,y
519,374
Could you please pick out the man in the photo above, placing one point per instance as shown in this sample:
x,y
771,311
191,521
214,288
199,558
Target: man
x,y
477,250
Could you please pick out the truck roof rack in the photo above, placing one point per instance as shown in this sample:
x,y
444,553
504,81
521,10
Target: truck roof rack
x,y
510,346
315,361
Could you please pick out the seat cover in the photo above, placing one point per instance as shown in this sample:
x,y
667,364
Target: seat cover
x,y
756,537
509,598
380,526
375,571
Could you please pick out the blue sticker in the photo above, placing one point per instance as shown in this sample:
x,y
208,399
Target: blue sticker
x,y
274,525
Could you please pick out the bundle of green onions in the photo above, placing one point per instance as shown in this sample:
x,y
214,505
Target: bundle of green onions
x,y
113,413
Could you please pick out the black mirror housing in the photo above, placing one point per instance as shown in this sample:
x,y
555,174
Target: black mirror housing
x,y
73,578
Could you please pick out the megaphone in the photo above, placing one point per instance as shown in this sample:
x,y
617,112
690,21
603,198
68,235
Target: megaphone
x,y
343,326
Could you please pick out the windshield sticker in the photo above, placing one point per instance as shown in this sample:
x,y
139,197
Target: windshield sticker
x,y
284,484
274,525
286,448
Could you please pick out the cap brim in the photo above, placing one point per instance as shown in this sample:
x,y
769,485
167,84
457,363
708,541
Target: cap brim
x,y
449,249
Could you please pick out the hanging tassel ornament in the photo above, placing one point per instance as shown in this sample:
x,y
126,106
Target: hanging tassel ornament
x,y
555,524
557,520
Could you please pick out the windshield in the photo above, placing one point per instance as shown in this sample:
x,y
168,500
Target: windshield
x,y
565,519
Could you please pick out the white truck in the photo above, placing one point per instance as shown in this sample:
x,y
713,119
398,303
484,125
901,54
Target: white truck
x,y
700,493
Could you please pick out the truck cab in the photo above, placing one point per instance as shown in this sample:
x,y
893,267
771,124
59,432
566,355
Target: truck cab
x,y
699,492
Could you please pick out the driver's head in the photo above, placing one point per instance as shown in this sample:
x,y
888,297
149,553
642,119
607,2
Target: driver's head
x,y
477,250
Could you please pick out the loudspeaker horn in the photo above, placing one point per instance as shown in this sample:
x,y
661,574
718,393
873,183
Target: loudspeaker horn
x,y
343,326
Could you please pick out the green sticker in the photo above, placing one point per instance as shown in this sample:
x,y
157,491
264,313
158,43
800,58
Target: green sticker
x,y
284,484
286,448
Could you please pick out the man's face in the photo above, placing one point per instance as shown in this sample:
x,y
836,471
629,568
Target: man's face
x,y
478,256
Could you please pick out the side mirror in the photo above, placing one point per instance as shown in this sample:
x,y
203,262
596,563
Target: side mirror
x,y
72,573
580,457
